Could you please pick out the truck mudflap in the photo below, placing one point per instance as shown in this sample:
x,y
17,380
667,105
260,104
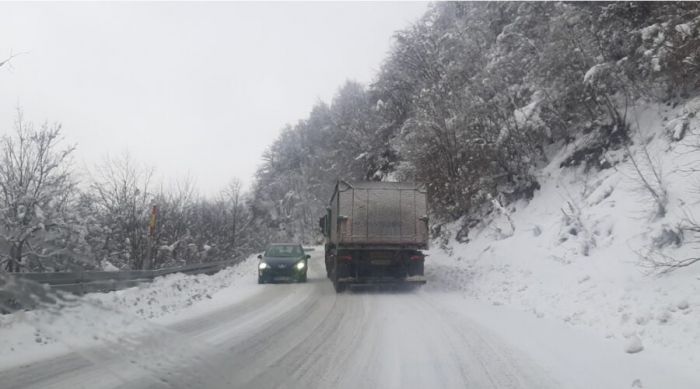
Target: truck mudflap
x,y
377,281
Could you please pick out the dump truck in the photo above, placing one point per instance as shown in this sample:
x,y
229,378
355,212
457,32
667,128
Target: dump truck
x,y
375,233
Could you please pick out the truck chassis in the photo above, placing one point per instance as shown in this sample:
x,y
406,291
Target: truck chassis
x,y
360,266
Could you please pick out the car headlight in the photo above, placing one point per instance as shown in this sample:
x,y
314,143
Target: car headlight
x,y
300,265
262,266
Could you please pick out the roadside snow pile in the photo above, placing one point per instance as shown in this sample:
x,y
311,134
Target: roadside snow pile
x,y
586,248
114,318
172,292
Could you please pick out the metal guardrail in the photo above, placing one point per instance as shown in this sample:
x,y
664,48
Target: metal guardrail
x,y
92,281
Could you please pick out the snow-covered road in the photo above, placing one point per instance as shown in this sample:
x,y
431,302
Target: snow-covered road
x,y
306,336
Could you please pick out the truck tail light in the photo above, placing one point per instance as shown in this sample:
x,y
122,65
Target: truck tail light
x,y
417,257
346,258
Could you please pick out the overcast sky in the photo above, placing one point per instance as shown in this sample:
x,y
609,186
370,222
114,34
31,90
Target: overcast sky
x,y
190,88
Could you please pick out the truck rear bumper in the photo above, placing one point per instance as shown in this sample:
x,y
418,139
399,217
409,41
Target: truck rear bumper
x,y
369,281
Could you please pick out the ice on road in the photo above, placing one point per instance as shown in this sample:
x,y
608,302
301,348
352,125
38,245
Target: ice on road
x,y
307,336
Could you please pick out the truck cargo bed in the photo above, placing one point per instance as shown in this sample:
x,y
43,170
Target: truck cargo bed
x,y
379,213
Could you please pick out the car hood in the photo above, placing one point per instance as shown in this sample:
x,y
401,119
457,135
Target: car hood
x,y
272,261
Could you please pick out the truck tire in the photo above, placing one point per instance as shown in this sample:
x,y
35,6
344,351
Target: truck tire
x,y
337,285
328,266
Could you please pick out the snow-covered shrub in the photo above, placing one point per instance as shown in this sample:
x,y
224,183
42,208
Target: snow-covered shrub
x,y
592,149
573,228
667,236
650,177
663,257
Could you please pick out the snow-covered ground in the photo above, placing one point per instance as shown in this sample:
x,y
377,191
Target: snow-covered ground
x,y
306,335
99,318
588,270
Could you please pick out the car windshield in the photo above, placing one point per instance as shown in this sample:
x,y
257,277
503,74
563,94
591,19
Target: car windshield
x,y
284,251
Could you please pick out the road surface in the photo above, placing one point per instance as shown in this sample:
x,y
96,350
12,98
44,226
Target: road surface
x,y
307,336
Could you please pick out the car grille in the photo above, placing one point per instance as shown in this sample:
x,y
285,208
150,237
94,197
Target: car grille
x,y
281,271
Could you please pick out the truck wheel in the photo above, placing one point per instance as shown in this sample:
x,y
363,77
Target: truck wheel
x,y
328,267
337,285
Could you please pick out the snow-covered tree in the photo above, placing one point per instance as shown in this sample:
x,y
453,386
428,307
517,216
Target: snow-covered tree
x,y
120,190
37,228
473,97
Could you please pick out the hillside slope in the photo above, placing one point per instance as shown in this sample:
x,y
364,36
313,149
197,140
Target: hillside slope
x,y
576,251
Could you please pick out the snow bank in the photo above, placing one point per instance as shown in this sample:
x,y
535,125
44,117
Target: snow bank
x,y
575,252
116,317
